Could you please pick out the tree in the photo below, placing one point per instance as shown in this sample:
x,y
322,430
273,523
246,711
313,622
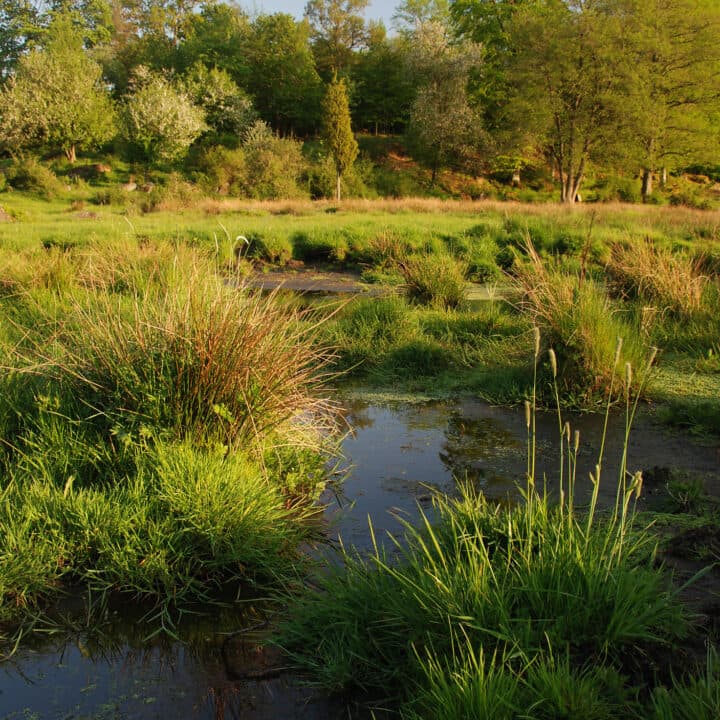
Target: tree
x,y
19,24
676,87
338,28
337,130
384,90
227,108
282,79
161,121
413,14
570,72
56,97
443,125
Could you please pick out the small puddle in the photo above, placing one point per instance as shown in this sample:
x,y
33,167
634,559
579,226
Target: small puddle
x,y
398,455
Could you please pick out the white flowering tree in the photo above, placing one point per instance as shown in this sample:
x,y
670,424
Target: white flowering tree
x,y
160,120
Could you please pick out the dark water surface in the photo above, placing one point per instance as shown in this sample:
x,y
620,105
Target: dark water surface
x,y
398,455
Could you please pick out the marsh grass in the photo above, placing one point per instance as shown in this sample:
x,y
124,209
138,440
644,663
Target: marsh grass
x,y
694,698
499,610
187,522
163,431
196,357
672,282
437,279
578,320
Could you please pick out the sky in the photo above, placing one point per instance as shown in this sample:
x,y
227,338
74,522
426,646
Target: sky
x,y
377,9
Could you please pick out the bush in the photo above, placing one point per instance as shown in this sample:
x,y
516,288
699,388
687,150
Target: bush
x,y
30,175
274,166
222,170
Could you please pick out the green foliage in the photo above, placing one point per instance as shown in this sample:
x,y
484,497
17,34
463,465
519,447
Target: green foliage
x,y
281,74
437,280
696,698
367,329
140,453
227,108
30,175
57,98
273,165
160,120
337,131
542,590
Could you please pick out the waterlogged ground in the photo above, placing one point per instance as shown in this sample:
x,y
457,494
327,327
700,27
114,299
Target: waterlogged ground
x,y
398,454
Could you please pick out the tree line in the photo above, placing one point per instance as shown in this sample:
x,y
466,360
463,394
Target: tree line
x,y
631,86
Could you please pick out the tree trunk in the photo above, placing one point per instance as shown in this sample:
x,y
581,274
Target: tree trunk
x,y
647,184
663,178
70,154
337,187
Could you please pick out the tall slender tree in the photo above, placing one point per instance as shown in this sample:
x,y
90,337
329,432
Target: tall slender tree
x,y
337,130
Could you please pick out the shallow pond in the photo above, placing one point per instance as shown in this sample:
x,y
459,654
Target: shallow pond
x,y
397,455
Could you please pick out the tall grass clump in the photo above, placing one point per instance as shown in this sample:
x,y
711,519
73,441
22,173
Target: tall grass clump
x,y
185,523
497,610
436,279
366,329
578,320
163,434
672,282
196,358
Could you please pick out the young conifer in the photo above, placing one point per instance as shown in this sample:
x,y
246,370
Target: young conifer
x,y
337,131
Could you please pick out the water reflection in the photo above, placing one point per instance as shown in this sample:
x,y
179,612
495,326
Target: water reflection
x,y
400,452
396,457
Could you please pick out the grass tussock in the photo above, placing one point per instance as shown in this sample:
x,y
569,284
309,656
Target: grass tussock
x,y
437,280
163,434
578,320
671,282
197,357
539,609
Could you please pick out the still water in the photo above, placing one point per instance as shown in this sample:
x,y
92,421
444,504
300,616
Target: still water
x,y
396,456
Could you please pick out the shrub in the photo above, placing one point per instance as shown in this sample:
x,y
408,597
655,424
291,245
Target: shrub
x,y
31,175
223,170
273,165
